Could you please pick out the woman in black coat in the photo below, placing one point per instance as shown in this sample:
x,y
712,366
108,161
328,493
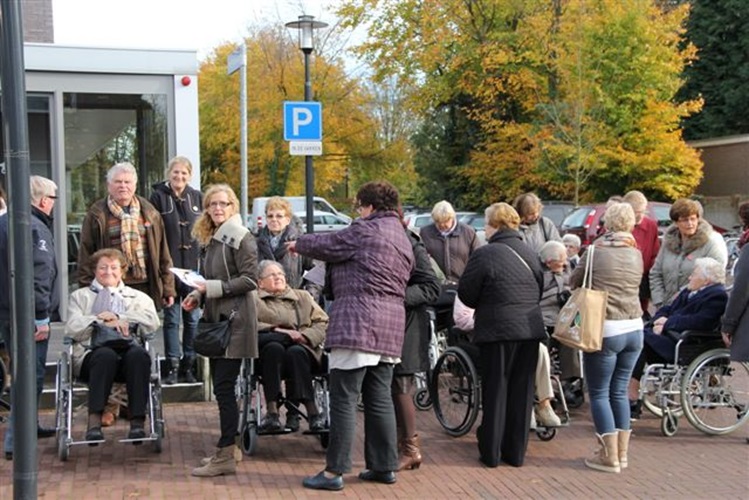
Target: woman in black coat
x,y
503,282
423,289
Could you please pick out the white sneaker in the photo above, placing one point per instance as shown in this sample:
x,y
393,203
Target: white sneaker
x,y
533,420
548,418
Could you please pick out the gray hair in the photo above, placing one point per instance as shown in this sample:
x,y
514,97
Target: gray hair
x,y
118,168
619,217
552,250
265,264
572,239
636,199
443,211
711,269
40,187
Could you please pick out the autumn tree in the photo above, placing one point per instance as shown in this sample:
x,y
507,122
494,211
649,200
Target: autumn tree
x,y
570,98
275,73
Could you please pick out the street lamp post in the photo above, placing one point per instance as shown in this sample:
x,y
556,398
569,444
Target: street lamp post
x,y
306,25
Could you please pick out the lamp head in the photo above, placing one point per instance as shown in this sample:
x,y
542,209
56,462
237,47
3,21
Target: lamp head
x,y
306,26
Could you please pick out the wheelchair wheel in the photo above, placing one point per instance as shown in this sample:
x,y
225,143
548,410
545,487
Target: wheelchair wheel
x,y
248,438
422,399
669,424
715,393
63,408
546,433
455,391
158,419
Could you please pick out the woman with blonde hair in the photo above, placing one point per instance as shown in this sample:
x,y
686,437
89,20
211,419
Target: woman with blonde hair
x,y
617,269
229,265
503,282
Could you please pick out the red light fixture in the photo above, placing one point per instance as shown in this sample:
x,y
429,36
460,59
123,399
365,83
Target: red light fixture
x,y
186,81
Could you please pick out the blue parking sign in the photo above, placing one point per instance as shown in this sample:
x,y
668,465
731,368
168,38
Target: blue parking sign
x,y
302,121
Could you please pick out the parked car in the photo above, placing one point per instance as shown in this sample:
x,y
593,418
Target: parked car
x,y
298,203
416,221
557,211
325,222
585,220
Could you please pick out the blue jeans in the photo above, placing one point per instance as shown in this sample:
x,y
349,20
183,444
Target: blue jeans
x,y
41,361
607,374
171,330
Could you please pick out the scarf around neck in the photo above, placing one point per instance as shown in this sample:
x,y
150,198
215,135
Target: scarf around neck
x,y
130,241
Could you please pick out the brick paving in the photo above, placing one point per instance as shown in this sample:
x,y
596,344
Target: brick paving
x,y
689,465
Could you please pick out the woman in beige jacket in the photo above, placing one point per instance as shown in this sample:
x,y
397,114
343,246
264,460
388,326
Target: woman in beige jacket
x,y
291,332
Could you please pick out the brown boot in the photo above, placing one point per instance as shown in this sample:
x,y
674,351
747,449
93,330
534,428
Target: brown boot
x,y
607,457
623,441
411,453
219,464
237,455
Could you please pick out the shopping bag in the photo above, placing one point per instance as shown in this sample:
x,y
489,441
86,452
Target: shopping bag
x,y
580,321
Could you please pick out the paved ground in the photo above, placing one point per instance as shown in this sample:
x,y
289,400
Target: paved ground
x,y
689,465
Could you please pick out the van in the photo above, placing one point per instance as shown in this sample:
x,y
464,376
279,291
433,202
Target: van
x,y
298,204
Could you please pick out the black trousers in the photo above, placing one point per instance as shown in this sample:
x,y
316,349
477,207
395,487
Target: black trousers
x,y
293,364
103,366
224,373
507,381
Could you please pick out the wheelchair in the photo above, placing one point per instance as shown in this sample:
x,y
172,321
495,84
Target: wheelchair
x,y
438,334
704,385
250,401
456,392
67,388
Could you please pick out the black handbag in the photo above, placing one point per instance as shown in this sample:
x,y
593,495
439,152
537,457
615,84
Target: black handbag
x,y
106,336
213,338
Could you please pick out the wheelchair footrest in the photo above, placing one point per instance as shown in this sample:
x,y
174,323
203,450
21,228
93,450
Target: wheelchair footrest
x,y
285,430
316,433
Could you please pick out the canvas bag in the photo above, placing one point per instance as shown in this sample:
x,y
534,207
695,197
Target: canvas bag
x,y
580,321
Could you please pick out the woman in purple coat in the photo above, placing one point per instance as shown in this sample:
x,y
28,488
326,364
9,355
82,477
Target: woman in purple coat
x,y
370,264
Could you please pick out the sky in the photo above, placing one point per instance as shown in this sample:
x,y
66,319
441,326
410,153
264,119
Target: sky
x,y
172,24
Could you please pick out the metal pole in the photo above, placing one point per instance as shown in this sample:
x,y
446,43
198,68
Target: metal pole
x,y
23,349
309,173
243,134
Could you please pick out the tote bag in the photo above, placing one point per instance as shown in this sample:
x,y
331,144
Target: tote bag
x,y
580,321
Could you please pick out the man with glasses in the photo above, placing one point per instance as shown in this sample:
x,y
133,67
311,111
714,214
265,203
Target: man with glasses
x,y
131,224
46,295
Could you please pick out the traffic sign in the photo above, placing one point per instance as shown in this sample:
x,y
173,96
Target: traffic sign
x,y
305,148
302,121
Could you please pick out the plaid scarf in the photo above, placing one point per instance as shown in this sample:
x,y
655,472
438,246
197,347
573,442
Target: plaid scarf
x,y
132,246
107,299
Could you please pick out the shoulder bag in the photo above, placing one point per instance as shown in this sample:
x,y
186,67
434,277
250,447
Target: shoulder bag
x,y
106,336
580,321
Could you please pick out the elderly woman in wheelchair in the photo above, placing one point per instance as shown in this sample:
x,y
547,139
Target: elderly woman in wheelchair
x,y
104,321
697,307
291,332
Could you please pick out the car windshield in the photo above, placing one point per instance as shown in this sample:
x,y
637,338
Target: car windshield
x,y
662,214
577,217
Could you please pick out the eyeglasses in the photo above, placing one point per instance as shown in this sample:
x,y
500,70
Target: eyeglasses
x,y
51,196
275,216
273,275
219,204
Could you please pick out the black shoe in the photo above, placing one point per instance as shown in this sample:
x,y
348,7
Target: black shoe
x,y
387,477
94,434
137,432
45,432
292,421
271,423
635,410
320,482
8,455
317,423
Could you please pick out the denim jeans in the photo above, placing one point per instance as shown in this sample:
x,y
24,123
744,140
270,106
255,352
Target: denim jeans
x,y
380,440
607,374
171,329
41,361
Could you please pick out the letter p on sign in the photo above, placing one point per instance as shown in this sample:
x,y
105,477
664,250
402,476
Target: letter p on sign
x,y
302,121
